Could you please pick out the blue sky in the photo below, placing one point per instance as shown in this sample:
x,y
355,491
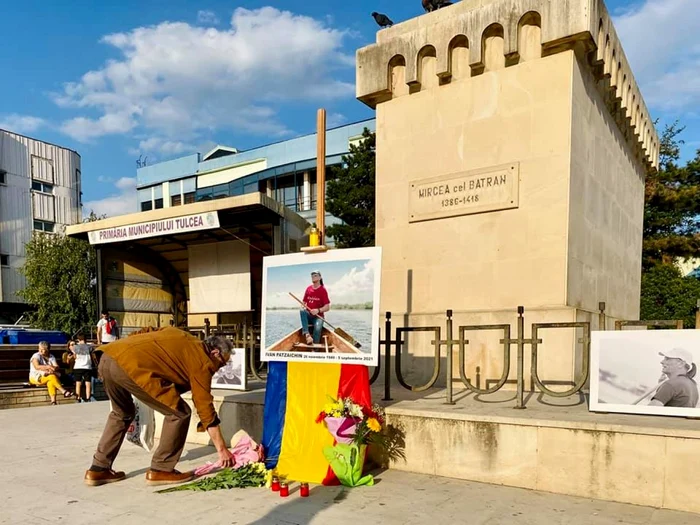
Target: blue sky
x,y
347,282
157,79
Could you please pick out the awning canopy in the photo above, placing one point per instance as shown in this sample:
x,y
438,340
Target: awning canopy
x,y
168,232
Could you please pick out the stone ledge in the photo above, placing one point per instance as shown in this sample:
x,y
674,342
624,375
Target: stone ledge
x,y
560,448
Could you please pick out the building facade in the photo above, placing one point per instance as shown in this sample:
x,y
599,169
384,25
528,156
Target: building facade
x,y
285,171
40,191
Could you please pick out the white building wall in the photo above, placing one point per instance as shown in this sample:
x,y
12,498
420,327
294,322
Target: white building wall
x,y
25,160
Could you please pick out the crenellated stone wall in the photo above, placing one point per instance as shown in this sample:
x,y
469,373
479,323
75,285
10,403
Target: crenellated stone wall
x,y
512,147
476,36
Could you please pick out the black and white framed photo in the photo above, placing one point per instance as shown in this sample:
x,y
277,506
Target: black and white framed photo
x,y
645,372
233,375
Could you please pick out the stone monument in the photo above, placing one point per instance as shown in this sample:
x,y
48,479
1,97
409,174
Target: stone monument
x,y
512,147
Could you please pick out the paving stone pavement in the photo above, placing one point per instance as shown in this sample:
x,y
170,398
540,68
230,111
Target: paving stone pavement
x,y
46,450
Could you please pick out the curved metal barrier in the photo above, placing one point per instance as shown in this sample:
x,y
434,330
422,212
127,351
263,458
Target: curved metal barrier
x,y
505,341
249,337
585,365
436,362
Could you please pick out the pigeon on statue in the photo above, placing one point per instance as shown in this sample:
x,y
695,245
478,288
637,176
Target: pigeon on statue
x,y
382,20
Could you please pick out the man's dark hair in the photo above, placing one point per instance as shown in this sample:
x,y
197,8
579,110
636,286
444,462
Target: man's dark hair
x,y
219,342
105,312
80,336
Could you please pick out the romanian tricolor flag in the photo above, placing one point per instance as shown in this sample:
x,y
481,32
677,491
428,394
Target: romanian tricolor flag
x,y
295,395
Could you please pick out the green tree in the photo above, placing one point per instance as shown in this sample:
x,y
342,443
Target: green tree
x,y
350,195
672,205
61,273
666,294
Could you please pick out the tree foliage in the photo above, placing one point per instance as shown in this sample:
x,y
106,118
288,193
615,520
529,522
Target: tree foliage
x,y
666,294
61,273
672,205
350,195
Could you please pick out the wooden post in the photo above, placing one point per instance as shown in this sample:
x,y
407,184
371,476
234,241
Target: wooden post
x,y
321,175
697,316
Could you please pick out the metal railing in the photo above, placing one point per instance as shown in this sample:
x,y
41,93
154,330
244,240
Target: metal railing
x,y
394,339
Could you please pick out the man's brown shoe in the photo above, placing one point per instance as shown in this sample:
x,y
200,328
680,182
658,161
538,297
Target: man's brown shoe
x,y
156,477
95,479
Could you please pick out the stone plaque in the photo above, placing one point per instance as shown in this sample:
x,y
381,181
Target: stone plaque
x,y
477,191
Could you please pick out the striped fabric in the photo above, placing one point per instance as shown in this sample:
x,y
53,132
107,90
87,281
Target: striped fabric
x,y
295,395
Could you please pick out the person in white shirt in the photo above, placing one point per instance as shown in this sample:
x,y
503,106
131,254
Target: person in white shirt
x,y
82,369
107,329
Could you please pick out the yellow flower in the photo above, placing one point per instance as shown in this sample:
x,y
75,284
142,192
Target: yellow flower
x,y
373,425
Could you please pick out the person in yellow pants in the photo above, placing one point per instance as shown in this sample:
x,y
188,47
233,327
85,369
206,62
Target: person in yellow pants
x,y
43,370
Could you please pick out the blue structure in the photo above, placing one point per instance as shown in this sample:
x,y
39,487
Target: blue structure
x,y
285,171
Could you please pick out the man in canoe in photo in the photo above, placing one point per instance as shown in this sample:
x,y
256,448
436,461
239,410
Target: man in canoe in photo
x,y
316,303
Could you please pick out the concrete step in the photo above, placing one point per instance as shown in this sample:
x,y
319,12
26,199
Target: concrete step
x,y
39,396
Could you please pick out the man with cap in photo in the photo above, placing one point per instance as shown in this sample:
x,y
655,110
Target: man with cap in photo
x,y
678,389
316,303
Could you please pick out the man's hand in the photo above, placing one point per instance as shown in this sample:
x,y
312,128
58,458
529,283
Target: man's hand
x,y
226,458
217,438
315,311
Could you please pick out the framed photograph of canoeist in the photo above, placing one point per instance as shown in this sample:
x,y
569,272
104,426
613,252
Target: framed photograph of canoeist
x,y
645,372
233,375
322,307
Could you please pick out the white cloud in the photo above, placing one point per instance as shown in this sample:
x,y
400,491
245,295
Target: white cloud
x,y
353,287
21,123
179,82
86,129
660,40
120,199
335,119
162,146
207,17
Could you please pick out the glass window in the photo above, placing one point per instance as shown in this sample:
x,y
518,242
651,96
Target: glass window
x,y
158,204
3,177
176,200
158,191
4,260
220,192
236,188
146,206
189,197
203,194
43,226
42,187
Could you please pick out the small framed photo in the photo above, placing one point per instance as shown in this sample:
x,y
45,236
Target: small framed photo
x,y
234,375
645,372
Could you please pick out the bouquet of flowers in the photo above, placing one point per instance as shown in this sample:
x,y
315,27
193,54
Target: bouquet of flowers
x,y
349,422
250,475
354,427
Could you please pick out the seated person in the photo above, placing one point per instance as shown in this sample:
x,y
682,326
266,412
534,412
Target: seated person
x,y
316,304
43,370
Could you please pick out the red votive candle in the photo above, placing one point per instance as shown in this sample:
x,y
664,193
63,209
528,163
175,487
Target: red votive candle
x,y
284,490
275,485
304,490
